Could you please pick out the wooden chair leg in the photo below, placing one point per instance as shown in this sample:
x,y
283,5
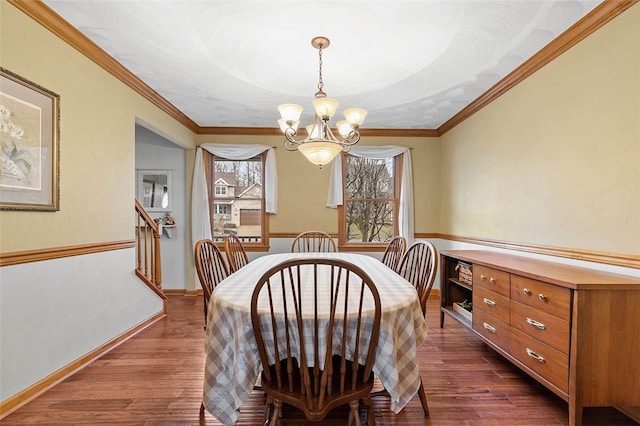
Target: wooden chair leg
x,y
371,421
268,406
276,412
354,413
202,409
423,399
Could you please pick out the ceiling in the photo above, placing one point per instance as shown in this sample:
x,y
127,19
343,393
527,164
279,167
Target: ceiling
x,y
411,64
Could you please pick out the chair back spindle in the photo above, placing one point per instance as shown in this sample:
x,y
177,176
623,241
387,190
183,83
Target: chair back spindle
x,y
394,252
236,255
313,241
418,266
316,323
211,269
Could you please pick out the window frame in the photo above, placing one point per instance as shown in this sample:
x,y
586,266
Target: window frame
x,y
249,246
216,209
222,188
343,244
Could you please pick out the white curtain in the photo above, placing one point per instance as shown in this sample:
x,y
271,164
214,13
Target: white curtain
x,y
200,224
405,215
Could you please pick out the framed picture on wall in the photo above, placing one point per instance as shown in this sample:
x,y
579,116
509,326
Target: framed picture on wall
x,y
29,137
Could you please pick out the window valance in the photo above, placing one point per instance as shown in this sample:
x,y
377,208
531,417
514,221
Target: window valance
x,y
200,224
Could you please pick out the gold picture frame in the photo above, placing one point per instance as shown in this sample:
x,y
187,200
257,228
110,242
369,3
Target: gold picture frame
x,y
29,138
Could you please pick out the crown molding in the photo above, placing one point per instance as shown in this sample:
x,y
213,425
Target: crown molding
x,y
46,17
598,17
255,131
274,131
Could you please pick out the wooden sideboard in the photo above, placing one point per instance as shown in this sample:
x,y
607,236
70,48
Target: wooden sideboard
x,y
575,330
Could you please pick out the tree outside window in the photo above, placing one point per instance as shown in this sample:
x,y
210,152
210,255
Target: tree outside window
x,y
370,210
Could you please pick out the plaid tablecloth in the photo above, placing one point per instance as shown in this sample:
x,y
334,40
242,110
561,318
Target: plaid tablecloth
x,y
232,361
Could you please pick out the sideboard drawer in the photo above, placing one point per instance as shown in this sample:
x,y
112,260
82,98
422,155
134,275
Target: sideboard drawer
x,y
545,297
546,361
549,329
494,330
557,313
492,302
492,279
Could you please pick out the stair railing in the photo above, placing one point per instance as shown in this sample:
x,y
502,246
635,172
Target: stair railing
x,y
149,263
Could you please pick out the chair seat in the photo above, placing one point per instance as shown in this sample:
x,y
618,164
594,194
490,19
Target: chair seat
x,y
295,397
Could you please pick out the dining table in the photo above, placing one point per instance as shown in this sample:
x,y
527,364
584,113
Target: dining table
x,y
232,363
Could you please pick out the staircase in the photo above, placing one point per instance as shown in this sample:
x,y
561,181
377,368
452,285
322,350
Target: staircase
x,y
149,262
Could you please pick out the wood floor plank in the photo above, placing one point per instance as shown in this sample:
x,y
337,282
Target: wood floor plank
x,y
155,378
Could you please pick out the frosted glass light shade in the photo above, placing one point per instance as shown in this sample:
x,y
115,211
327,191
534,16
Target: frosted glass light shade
x,y
319,152
325,107
344,128
355,115
290,112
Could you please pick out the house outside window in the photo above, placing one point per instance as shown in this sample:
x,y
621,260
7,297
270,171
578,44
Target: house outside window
x,y
237,203
369,214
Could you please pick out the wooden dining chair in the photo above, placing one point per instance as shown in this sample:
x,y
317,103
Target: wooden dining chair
x,y
393,253
313,241
211,269
418,266
335,367
236,255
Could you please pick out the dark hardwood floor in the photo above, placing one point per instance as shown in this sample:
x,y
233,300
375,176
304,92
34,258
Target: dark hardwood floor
x,y
155,378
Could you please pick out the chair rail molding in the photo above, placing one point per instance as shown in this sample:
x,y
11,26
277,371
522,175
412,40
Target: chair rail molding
x,y
37,255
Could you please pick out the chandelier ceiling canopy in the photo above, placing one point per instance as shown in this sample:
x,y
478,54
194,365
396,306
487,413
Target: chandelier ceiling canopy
x,y
320,146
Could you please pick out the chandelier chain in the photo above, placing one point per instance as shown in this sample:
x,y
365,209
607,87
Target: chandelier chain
x,y
320,83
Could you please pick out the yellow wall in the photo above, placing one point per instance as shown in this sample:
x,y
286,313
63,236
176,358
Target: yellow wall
x,y
97,130
302,186
553,162
556,160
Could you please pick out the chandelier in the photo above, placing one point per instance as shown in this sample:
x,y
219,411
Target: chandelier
x,y
321,145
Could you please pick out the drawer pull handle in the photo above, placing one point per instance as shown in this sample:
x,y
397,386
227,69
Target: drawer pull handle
x,y
492,280
483,277
542,297
534,355
526,291
536,324
489,302
490,328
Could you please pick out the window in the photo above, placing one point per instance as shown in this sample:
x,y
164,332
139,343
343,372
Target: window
x,y
221,209
369,214
237,200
